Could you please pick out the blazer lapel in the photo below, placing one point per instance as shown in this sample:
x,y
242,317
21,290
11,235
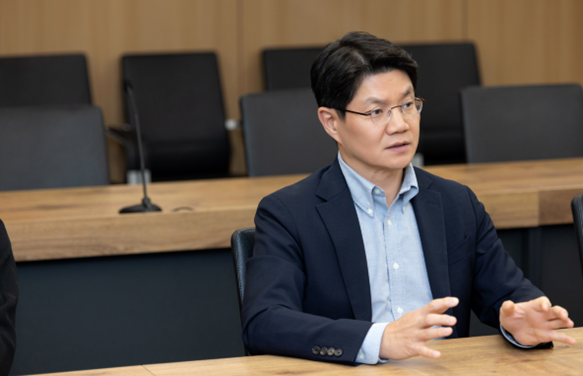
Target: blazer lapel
x,y
430,221
341,221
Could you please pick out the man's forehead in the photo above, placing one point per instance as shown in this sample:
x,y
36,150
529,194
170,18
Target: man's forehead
x,y
378,99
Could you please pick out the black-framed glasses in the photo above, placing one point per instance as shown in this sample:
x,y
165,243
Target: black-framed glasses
x,y
410,109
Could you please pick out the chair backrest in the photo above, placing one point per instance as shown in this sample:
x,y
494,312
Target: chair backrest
x,y
577,209
44,80
513,123
180,106
283,134
288,68
52,147
242,243
444,69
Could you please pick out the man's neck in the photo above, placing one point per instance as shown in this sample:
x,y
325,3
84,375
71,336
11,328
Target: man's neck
x,y
390,181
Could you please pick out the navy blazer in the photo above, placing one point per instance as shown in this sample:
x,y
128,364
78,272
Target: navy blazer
x,y
307,282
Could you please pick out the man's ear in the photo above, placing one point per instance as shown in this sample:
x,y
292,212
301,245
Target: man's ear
x,y
329,119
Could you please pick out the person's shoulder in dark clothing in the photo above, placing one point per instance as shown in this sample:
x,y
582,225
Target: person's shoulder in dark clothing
x,y
8,301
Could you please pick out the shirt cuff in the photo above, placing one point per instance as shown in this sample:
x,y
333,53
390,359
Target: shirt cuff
x,y
511,339
371,346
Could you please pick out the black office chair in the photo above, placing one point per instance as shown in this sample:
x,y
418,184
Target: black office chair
x,y
444,69
180,106
242,243
44,80
288,68
283,135
577,209
511,123
52,147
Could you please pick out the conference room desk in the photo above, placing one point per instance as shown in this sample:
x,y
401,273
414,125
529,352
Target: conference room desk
x,y
84,222
464,356
100,289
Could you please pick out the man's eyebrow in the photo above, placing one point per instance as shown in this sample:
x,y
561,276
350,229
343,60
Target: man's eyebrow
x,y
377,100
408,91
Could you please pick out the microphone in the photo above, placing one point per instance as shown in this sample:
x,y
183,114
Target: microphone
x,y
146,205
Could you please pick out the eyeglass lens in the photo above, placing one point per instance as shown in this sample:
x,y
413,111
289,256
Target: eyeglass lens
x,y
410,109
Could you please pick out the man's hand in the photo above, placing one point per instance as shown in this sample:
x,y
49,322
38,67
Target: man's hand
x,y
406,337
531,323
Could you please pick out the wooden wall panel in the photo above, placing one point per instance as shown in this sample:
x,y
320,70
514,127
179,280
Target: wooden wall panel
x,y
519,41
269,23
106,29
528,41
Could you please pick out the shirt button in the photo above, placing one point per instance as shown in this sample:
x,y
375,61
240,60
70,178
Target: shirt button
x,y
377,191
360,355
369,211
395,266
400,310
389,223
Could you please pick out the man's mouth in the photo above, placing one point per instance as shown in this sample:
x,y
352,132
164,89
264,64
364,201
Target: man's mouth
x,y
398,145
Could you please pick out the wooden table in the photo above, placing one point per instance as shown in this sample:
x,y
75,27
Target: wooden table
x,y
466,356
84,222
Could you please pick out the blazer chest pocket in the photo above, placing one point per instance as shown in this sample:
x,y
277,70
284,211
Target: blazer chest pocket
x,y
460,252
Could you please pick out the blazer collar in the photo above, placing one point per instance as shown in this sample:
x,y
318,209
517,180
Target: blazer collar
x,y
341,221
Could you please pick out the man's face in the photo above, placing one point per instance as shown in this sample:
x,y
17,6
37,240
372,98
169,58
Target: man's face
x,y
367,147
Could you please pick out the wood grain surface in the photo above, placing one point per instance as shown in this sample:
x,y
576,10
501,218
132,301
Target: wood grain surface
x,y
526,41
522,194
518,42
84,222
301,23
106,29
465,356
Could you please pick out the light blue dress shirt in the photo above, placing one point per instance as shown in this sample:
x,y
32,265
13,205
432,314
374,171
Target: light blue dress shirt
x,y
394,255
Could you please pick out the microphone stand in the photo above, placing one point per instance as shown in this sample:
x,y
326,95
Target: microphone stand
x,y
146,205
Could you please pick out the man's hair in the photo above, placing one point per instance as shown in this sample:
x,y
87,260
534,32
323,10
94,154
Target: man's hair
x,y
342,66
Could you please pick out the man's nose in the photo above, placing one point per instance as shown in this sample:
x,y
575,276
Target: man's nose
x,y
396,123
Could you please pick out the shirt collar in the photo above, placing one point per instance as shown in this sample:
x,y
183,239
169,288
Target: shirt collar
x,y
362,190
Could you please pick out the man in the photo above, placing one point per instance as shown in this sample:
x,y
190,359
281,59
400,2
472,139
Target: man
x,y
8,300
369,258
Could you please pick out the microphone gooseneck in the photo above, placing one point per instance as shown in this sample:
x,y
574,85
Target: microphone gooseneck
x,y
146,205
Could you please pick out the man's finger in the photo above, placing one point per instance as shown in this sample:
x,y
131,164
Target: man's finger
x,y
441,305
434,333
507,308
542,304
561,337
426,351
434,319
558,324
560,312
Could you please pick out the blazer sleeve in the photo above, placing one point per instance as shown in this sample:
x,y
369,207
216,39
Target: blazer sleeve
x,y
273,319
497,277
8,301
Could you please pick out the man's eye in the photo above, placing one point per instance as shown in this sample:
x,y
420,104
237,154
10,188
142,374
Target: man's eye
x,y
408,104
376,112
